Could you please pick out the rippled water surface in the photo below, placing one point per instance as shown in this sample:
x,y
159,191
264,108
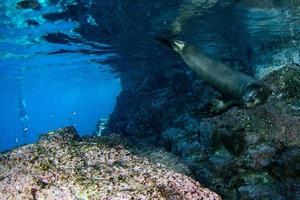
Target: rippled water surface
x,y
61,60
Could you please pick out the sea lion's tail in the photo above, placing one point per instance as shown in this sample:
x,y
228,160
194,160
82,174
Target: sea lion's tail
x,y
176,45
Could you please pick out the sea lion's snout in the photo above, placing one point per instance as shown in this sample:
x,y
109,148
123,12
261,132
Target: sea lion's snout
x,y
255,95
176,45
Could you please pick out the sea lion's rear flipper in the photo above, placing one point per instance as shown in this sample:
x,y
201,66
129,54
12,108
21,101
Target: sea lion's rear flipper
x,y
217,107
176,45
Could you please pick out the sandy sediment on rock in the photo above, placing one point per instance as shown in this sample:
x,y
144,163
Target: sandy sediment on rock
x,y
60,166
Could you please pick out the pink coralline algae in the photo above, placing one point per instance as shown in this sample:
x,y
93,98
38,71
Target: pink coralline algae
x,y
62,166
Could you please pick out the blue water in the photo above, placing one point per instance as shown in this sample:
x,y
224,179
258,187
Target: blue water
x,y
41,90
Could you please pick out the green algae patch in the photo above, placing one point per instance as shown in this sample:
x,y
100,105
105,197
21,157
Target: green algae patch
x,y
285,82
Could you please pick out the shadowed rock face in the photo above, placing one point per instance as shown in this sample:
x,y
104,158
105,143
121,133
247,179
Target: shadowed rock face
x,y
242,154
60,166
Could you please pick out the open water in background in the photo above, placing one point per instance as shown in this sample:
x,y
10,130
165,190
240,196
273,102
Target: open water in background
x,y
40,92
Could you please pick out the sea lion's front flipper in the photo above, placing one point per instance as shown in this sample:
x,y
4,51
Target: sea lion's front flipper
x,y
217,107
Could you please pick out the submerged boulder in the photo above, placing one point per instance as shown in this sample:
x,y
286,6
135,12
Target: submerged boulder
x,y
241,154
63,166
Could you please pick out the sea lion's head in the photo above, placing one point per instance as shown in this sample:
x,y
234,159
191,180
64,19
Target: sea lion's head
x,y
255,94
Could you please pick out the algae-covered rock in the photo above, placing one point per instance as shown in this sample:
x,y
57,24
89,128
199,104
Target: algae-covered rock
x,y
265,141
241,154
285,82
62,166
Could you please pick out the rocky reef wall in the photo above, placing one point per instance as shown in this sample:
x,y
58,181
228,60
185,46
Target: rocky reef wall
x,y
242,154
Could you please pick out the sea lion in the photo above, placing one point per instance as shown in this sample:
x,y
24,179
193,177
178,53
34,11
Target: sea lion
x,y
236,88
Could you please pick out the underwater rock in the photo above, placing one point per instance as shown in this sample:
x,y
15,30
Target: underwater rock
x,y
63,166
285,82
267,134
241,154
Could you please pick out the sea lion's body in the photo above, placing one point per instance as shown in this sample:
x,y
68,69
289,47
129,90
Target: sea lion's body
x,y
229,82
237,88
